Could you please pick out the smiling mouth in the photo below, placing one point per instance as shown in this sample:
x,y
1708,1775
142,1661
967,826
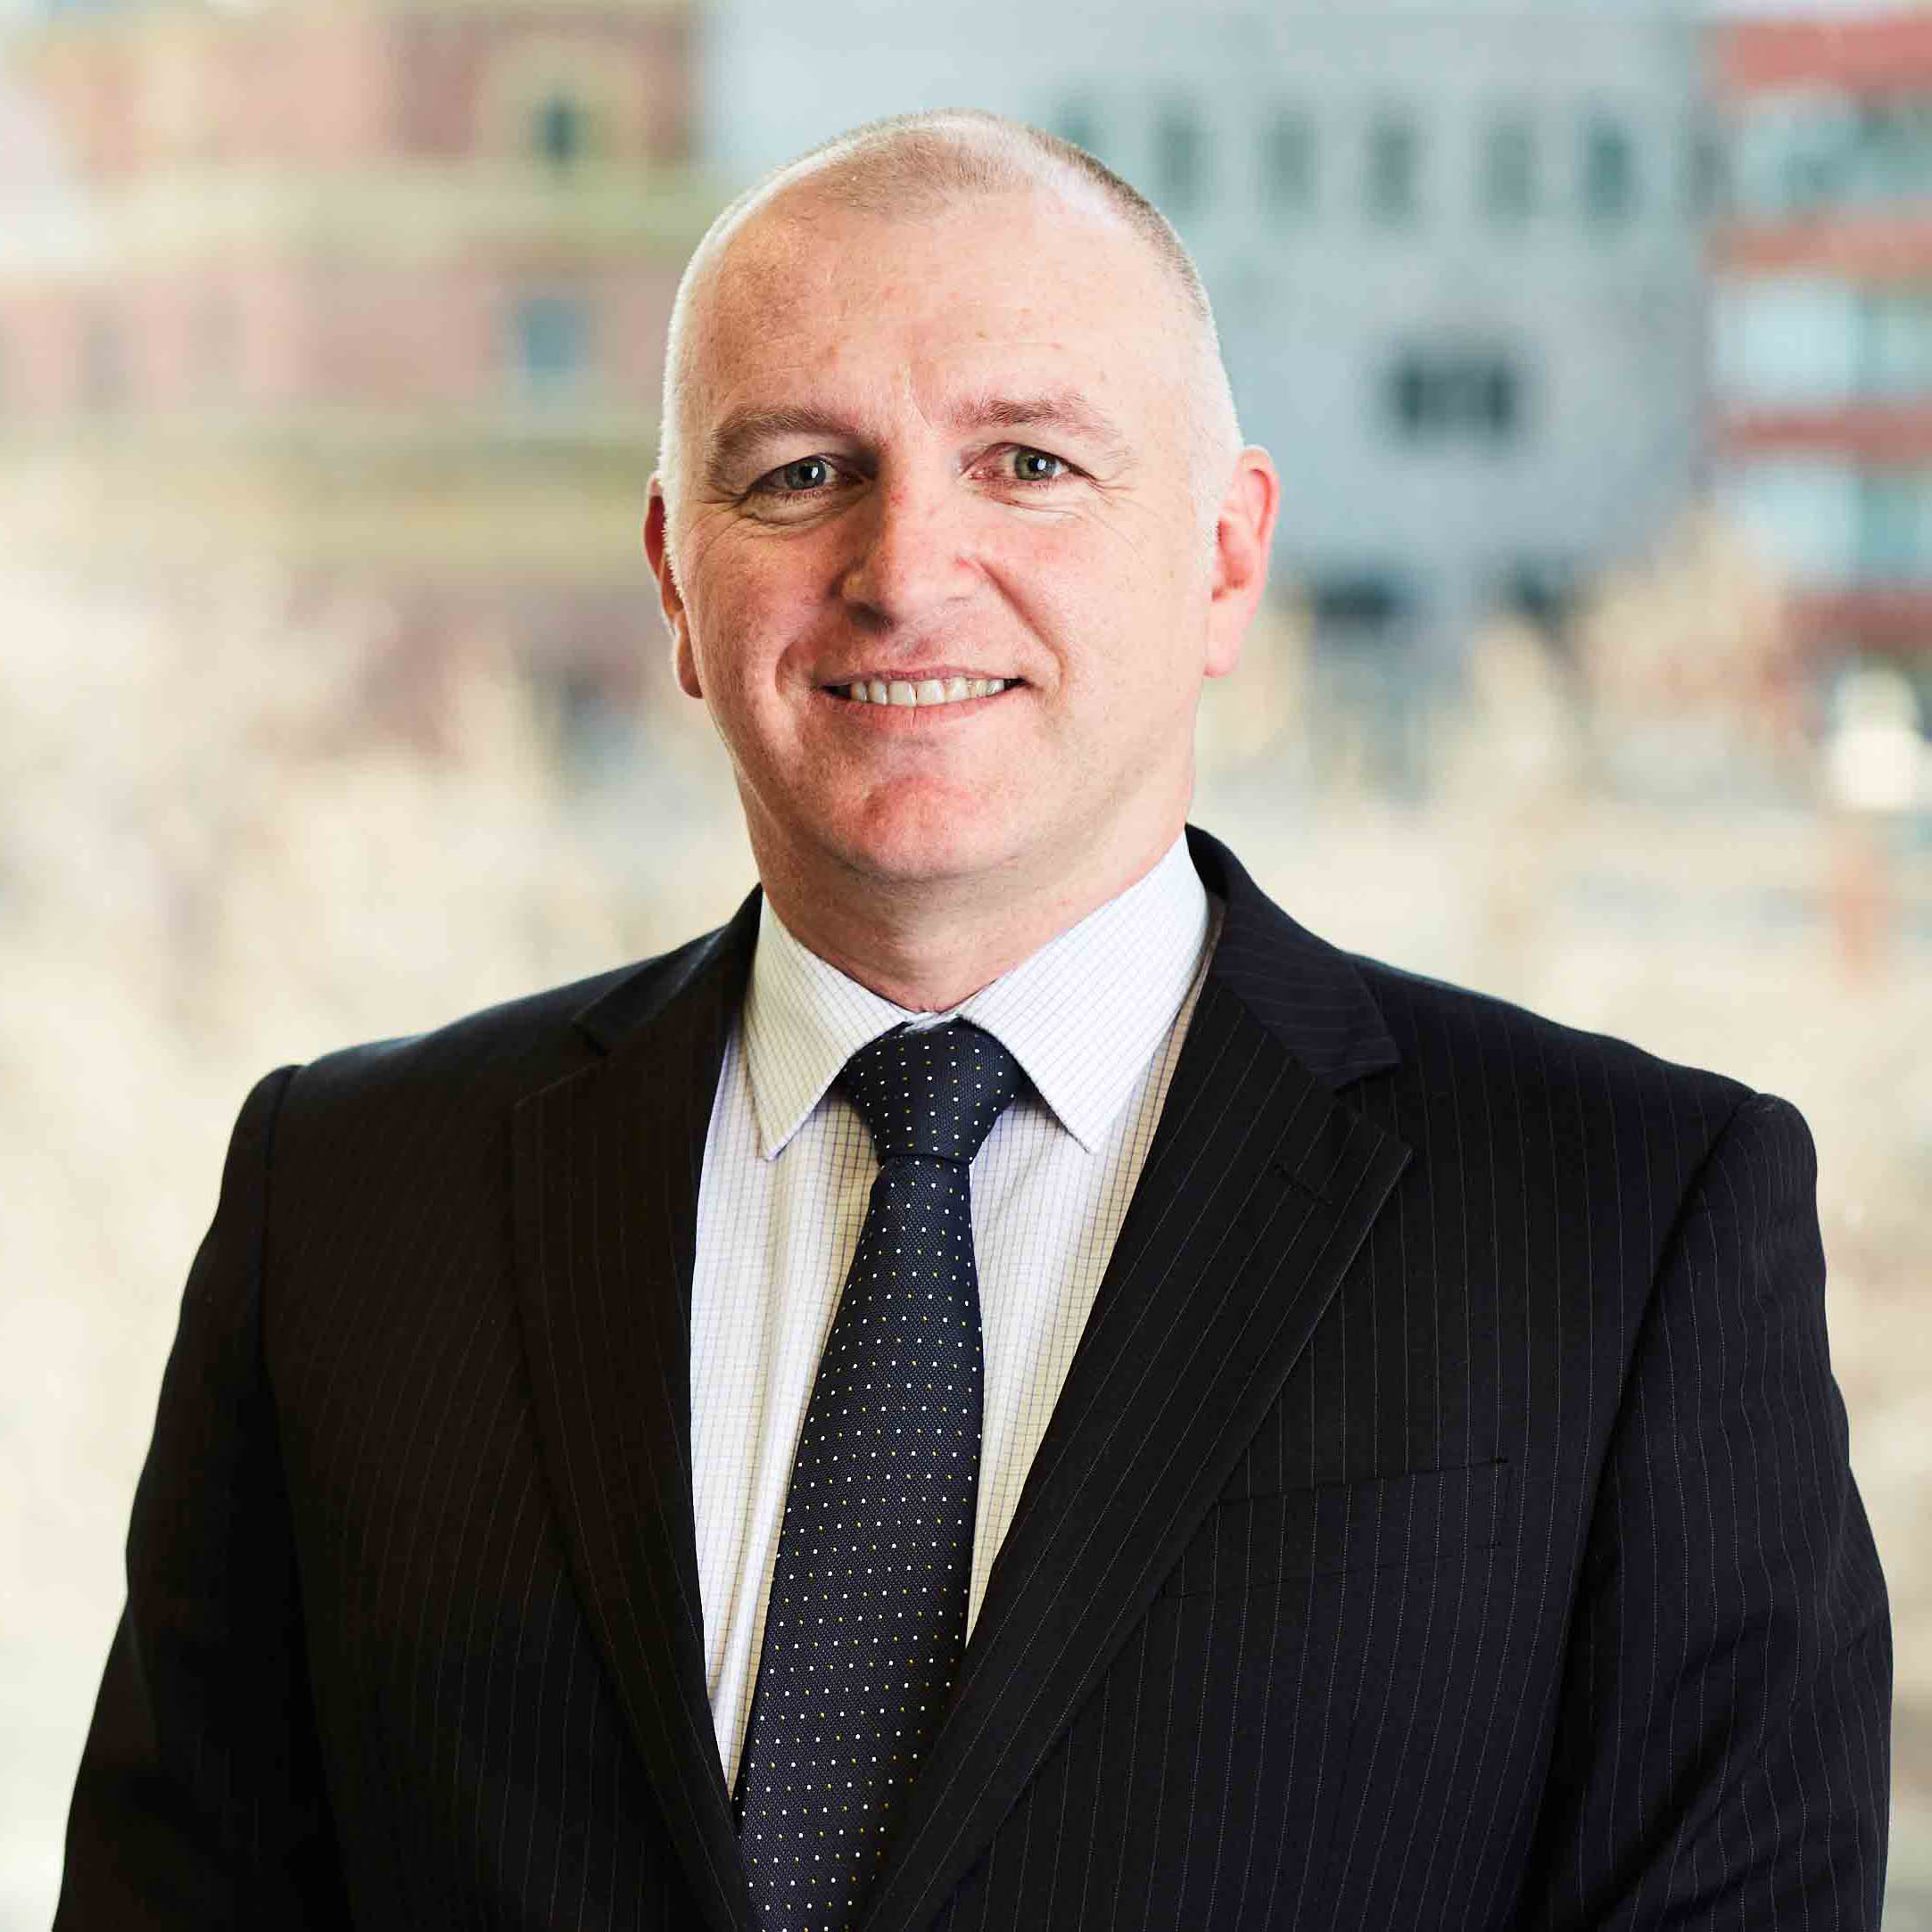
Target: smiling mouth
x,y
912,693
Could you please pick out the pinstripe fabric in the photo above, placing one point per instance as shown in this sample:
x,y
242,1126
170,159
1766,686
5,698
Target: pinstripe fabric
x,y
1096,1018
1445,1521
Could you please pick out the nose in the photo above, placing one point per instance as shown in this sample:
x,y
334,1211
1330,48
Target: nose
x,y
910,552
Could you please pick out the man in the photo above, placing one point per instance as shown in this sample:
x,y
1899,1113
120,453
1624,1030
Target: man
x,y
1011,1386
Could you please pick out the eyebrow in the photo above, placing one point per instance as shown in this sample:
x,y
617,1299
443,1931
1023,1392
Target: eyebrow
x,y
1052,408
743,431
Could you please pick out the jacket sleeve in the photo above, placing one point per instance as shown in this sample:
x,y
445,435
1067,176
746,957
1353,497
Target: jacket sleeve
x,y
199,1801
1723,1749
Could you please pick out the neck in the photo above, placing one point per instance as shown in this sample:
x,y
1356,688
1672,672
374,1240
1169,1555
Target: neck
x,y
925,944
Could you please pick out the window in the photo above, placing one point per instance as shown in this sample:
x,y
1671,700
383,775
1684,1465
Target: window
x,y
1288,182
1785,342
1796,155
1359,600
1434,396
1394,164
1539,591
1609,173
1894,342
1894,526
1179,162
1509,170
553,337
559,130
1821,342
1814,172
1893,154
1801,511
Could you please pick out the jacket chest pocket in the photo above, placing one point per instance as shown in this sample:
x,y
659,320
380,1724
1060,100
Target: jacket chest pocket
x,y
1423,1517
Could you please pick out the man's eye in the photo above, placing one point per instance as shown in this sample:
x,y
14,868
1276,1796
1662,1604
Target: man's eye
x,y
808,473
1035,465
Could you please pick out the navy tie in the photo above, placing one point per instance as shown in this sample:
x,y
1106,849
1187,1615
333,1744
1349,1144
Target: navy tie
x,y
867,1615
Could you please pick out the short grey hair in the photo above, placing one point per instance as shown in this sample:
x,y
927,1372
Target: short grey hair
x,y
916,165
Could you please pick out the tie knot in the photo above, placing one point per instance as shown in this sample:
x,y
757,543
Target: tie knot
x,y
932,1093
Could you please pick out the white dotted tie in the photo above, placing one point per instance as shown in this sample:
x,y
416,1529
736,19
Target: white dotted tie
x,y
867,1618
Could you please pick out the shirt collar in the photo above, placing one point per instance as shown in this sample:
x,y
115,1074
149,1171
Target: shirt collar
x,y
1082,1016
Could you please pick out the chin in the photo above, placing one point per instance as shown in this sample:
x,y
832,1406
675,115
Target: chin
x,y
913,840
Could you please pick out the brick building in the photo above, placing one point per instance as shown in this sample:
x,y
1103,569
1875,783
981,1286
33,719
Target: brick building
x,y
1822,321
373,288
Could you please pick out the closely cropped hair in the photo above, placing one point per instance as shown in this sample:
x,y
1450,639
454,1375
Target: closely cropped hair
x,y
918,165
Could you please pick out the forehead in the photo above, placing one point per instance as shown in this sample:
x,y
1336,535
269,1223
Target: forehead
x,y
811,296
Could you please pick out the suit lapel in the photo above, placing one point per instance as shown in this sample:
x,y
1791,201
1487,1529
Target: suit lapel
x,y
607,1170
1259,1190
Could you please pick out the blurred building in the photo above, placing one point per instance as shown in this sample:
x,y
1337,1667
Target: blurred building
x,y
1822,323
1455,247
374,293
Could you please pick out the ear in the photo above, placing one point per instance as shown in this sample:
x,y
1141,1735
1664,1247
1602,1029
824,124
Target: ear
x,y
1244,534
670,598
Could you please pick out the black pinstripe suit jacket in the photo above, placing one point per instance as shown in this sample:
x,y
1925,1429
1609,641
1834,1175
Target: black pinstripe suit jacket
x,y
1447,1520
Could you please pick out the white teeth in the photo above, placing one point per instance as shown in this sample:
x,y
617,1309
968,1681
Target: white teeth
x,y
904,692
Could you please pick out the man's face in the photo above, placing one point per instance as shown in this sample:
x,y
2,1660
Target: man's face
x,y
917,452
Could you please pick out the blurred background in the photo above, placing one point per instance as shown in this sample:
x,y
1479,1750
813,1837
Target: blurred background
x,y
1593,339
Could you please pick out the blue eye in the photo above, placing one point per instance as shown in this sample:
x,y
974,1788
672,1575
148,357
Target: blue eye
x,y
808,473
1035,465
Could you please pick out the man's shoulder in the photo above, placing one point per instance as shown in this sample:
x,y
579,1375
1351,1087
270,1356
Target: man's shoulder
x,y
1445,1032
1350,1017
500,1052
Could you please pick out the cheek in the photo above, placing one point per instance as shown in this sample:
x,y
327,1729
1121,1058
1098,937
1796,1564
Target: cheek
x,y
739,626
1074,585
1126,566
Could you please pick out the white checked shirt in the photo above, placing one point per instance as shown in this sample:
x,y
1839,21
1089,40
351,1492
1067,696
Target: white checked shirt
x,y
1096,1017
